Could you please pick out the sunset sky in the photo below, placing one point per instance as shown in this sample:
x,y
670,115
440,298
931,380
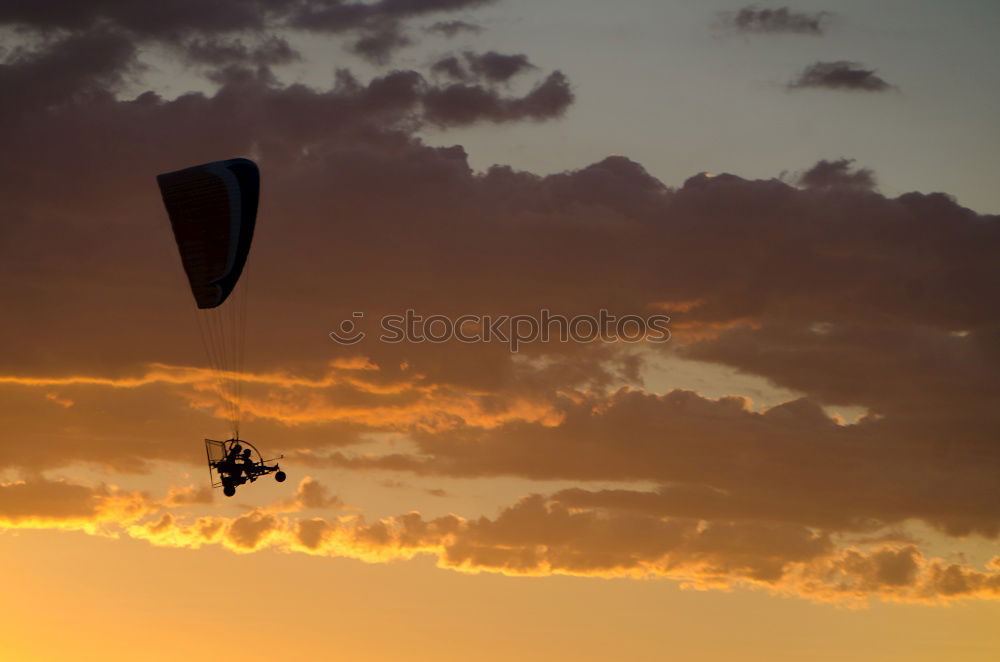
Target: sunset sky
x,y
809,469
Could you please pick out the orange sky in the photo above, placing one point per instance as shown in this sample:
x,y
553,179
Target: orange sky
x,y
806,470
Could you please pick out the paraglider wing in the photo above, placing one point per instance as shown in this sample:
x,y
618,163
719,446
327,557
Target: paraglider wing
x,y
212,209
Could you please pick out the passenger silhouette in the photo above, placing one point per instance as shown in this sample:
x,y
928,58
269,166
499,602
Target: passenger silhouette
x,y
229,463
248,463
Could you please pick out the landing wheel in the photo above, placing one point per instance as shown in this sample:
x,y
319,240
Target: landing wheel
x,y
228,490
280,476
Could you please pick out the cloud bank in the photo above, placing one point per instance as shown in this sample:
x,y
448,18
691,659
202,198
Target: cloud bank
x,y
537,536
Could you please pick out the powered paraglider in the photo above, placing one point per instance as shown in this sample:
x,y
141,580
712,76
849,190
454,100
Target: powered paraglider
x,y
213,210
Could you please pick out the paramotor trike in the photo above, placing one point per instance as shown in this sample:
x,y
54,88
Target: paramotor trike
x,y
235,462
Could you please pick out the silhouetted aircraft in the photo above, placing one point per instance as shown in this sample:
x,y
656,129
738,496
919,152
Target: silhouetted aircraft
x,y
213,210
233,462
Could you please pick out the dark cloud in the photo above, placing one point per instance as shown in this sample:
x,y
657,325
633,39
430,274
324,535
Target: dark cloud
x,y
214,34
725,462
378,45
224,52
459,104
77,68
340,15
171,17
450,66
782,19
497,67
490,67
452,28
840,75
161,18
535,533
837,173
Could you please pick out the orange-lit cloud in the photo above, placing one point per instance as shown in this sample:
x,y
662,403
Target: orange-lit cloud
x,y
167,403
535,537
189,495
310,494
58,504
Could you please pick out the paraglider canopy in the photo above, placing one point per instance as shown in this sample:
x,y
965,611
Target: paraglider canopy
x,y
212,209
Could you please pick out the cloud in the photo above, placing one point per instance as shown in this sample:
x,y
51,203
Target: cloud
x,y
460,104
189,495
40,503
76,68
450,66
452,28
400,485
338,15
310,494
538,536
717,460
170,17
222,52
837,173
378,45
498,67
215,35
345,401
491,67
840,75
166,17
251,531
751,19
